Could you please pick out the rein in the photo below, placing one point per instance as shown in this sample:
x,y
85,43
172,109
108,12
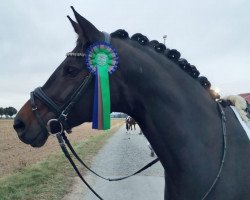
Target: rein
x,y
56,127
59,125
224,132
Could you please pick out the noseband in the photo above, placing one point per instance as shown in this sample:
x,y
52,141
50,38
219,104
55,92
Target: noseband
x,y
60,112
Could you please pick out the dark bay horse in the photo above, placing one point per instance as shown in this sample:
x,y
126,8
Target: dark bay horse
x,y
175,112
130,122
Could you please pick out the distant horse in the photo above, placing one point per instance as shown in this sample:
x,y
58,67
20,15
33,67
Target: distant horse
x,y
130,122
203,148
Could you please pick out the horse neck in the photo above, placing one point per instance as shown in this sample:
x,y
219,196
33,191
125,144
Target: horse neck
x,y
177,116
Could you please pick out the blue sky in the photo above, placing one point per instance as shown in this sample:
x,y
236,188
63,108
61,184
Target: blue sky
x,y
212,35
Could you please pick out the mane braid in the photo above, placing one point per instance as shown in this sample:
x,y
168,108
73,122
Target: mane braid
x,y
120,33
141,39
171,54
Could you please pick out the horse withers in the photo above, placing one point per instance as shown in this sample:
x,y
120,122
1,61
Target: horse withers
x,y
195,140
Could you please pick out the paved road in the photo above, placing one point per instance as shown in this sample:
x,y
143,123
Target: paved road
x,y
123,154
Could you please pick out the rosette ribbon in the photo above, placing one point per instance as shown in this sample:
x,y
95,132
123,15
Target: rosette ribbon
x,y
101,60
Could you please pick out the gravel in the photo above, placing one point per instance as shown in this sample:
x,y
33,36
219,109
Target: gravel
x,y
123,154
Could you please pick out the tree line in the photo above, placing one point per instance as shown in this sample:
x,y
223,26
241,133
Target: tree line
x,y
8,112
118,115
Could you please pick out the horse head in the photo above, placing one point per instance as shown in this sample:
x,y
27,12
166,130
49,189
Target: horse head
x,y
67,79
145,70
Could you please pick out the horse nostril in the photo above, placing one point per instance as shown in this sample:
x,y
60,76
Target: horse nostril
x,y
19,126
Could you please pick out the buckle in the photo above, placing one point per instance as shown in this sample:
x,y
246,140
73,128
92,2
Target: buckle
x,y
34,108
54,127
65,115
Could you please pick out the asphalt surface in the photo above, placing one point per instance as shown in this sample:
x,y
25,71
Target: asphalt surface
x,y
123,154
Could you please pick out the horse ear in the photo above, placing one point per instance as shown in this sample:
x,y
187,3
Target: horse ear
x,y
75,26
88,31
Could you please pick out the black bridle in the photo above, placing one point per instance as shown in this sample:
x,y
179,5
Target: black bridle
x,y
60,112
58,125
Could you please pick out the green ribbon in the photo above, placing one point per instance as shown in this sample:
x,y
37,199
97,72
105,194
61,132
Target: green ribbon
x,y
105,92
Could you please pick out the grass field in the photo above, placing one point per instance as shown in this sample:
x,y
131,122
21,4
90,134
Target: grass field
x,y
44,173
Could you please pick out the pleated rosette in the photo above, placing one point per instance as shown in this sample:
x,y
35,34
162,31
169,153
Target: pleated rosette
x,y
101,59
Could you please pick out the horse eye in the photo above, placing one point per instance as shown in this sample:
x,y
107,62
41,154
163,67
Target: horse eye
x,y
71,71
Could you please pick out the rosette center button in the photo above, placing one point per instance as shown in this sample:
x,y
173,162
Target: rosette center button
x,y
102,59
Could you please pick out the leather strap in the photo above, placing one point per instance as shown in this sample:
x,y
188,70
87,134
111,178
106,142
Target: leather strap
x,y
66,153
108,179
36,113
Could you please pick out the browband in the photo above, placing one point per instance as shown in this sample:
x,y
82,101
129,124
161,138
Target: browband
x,y
75,54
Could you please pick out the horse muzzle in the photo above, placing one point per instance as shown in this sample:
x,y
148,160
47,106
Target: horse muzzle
x,y
25,135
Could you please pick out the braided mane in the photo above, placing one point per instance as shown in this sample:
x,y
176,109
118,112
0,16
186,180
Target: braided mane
x,y
171,54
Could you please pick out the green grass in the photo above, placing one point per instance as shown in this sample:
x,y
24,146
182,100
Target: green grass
x,y
50,179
